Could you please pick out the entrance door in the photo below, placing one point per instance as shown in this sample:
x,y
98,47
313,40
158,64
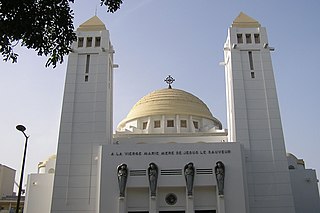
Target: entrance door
x,y
139,212
171,211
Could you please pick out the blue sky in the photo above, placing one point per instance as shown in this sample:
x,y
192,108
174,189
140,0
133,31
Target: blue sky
x,y
183,38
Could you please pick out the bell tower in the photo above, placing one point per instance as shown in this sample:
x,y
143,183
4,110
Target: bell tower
x,y
254,116
86,120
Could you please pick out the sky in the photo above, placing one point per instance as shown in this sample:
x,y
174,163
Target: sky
x,y
182,38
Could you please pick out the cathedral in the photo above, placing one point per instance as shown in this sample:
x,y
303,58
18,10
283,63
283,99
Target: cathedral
x,y
170,153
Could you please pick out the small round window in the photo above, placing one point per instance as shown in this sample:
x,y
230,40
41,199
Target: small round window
x,y
171,199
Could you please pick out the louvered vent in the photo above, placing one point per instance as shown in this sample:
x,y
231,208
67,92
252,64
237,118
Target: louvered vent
x,y
171,172
138,172
204,171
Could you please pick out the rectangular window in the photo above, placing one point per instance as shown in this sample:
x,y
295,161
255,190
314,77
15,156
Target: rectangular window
x,y
170,123
87,64
156,124
80,42
239,38
144,125
252,75
250,60
248,39
196,124
183,123
86,78
89,42
257,38
97,42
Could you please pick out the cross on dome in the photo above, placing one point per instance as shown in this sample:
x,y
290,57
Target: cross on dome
x,y
169,80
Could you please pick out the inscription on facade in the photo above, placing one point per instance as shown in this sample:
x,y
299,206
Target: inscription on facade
x,y
178,152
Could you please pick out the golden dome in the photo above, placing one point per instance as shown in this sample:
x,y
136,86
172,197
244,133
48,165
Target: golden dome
x,y
169,102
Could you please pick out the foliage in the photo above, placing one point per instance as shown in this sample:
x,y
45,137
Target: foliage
x,y
112,5
43,25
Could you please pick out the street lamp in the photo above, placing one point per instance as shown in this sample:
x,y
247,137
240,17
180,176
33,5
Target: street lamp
x,y
21,128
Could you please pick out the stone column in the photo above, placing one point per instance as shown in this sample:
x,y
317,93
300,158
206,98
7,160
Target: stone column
x,y
189,203
153,204
122,208
220,203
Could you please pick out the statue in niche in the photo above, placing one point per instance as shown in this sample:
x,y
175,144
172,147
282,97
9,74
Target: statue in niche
x,y
153,178
122,178
189,176
220,173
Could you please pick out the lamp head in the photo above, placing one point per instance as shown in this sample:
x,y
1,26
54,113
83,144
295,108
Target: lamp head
x,y
21,128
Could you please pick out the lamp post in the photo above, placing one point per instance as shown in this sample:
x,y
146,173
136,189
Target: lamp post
x,y
21,128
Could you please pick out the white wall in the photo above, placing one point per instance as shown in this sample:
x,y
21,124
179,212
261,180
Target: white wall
x,y
39,193
304,185
305,190
6,180
173,156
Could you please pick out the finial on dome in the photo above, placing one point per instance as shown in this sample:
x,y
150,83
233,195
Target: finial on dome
x,y
169,80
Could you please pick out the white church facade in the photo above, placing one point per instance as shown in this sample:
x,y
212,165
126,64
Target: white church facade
x,y
170,154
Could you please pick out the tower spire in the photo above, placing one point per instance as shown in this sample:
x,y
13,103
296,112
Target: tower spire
x,y
245,21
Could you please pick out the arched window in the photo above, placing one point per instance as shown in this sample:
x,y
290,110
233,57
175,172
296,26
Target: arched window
x,y
291,167
51,171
